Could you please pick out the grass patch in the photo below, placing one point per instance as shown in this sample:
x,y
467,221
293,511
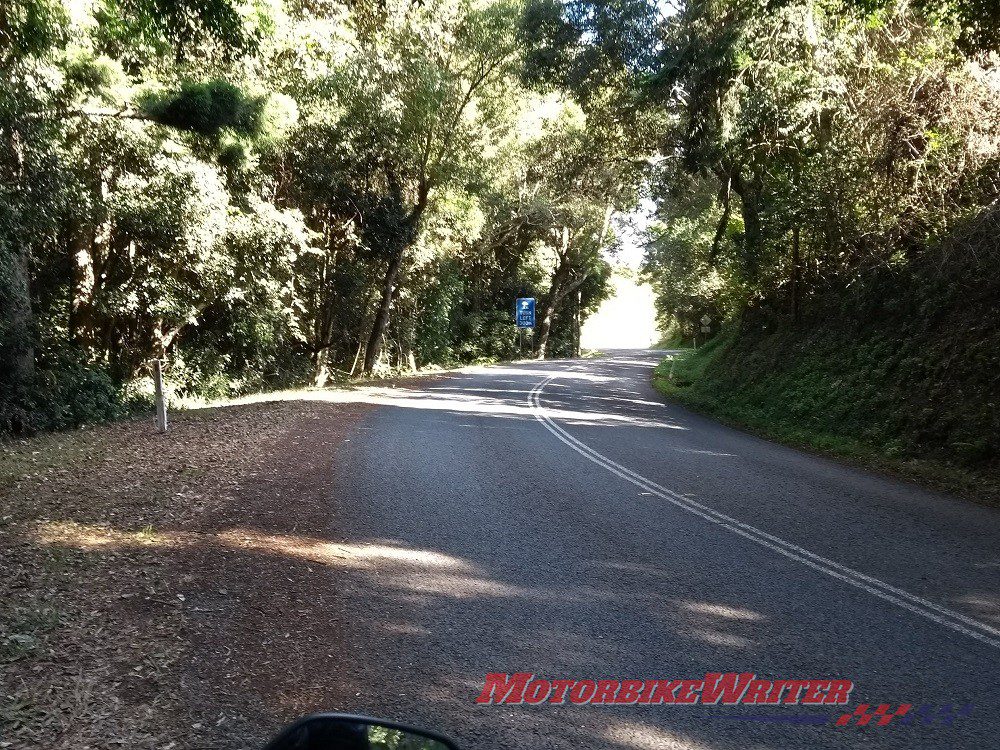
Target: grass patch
x,y
840,398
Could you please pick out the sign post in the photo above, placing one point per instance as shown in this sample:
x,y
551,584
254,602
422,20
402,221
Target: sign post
x,y
525,312
524,316
706,328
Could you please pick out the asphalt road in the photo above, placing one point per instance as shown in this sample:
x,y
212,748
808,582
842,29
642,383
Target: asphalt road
x,y
559,518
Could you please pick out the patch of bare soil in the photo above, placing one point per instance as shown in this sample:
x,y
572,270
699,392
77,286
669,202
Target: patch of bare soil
x,y
168,591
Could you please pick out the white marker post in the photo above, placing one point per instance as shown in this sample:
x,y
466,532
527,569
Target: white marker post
x,y
161,404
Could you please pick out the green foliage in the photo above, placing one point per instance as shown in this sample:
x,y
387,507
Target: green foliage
x,y
586,46
138,31
69,393
977,22
904,369
255,192
73,393
438,309
818,145
208,109
31,27
87,75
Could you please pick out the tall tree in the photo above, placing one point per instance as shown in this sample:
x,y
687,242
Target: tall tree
x,y
420,97
29,30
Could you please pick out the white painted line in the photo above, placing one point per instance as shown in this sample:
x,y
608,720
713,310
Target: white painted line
x,y
958,622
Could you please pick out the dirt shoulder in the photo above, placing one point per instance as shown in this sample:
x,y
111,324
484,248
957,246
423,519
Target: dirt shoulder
x,y
170,591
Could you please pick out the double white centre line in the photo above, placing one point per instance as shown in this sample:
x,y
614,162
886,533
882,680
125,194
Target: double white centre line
x,y
958,622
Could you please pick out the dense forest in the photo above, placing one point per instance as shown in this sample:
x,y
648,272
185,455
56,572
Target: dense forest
x,y
273,193
818,145
828,198
266,193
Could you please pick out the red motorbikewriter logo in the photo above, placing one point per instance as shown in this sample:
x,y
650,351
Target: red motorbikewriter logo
x,y
716,688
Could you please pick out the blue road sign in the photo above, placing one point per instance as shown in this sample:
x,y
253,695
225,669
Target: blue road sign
x,y
525,312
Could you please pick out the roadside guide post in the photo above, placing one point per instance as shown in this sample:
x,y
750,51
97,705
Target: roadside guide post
x,y
161,404
524,315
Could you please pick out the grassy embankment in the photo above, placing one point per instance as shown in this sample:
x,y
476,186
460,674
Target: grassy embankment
x,y
914,395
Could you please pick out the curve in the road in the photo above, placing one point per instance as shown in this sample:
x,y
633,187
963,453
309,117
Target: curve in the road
x,y
941,615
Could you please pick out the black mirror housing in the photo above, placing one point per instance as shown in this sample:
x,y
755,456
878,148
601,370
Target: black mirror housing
x,y
352,732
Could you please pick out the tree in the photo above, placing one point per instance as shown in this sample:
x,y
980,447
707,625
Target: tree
x,y
437,67
152,205
144,32
838,142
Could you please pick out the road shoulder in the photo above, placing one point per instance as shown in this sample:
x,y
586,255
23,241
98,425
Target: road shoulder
x,y
142,572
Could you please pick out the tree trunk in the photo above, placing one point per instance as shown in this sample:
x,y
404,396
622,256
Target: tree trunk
x,y
357,355
411,342
374,347
550,308
545,328
81,314
16,297
723,226
321,370
749,191
21,322
407,235
555,294
577,324
751,222
91,251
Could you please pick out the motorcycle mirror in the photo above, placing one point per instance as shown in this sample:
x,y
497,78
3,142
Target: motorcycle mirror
x,y
348,732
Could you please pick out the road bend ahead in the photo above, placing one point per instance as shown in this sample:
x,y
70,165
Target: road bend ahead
x,y
559,518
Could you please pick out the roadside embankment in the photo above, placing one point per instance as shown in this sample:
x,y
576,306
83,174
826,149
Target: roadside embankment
x,y
909,392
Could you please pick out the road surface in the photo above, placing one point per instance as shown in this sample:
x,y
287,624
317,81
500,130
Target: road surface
x,y
559,518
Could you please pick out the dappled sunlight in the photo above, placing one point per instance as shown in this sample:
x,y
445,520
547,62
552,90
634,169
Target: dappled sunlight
x,y
718,638
416,573
405,629
643,736
471,583
602,419
391,394
455,586
479,389
724,611
93,537
506,403
982,605
338,554
558,368
556,392
704,453
718,623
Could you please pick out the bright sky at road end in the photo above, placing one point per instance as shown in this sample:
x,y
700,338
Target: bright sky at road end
x,y
625,321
